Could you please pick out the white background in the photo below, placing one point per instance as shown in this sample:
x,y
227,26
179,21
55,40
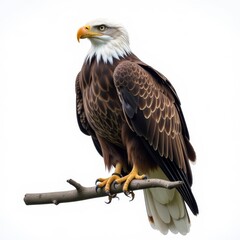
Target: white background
x,y
194,43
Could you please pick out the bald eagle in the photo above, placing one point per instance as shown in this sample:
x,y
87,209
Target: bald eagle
x,y
134,117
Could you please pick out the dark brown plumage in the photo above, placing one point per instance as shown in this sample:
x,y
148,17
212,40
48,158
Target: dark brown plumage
x,y
149,111
133,114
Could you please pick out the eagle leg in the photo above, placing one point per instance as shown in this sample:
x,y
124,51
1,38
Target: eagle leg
x,y
127,180
107,182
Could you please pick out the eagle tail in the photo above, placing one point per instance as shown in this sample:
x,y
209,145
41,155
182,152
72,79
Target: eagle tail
x,y
165,208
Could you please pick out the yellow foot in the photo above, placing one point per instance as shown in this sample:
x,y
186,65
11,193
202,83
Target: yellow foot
x,y
127,180
107,182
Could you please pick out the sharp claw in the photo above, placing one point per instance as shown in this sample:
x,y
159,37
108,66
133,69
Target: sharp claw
x,y
109,200
130,194
96,188
133,196
96,181
127,193
111,196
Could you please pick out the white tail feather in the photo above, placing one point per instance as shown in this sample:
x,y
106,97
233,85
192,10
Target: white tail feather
x,y
155,221
165,208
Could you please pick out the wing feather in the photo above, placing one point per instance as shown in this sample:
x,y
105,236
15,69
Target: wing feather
x,y
170,150
81,116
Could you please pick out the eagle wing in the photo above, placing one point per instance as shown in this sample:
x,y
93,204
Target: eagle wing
x,y
152,110
81,116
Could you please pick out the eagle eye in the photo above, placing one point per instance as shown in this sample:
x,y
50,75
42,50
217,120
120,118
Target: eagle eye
x,y
102,28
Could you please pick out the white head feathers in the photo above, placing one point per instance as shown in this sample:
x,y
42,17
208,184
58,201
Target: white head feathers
x,y
113,43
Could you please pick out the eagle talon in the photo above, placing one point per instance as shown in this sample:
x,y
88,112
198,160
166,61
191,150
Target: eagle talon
x,y
126,180
109,200
107,182
96,188
130,194
100,182
111,196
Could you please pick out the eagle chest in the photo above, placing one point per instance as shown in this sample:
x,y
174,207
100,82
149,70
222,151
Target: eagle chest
x,y
103,108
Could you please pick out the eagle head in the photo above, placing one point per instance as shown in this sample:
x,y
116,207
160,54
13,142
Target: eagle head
x,y
109,40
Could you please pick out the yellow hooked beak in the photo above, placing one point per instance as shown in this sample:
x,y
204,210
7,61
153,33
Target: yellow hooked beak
x,y
85,32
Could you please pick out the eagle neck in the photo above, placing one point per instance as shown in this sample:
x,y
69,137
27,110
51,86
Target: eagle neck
x,y
108,52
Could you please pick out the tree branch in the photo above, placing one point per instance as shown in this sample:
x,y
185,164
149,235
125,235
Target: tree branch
x,y
83,193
